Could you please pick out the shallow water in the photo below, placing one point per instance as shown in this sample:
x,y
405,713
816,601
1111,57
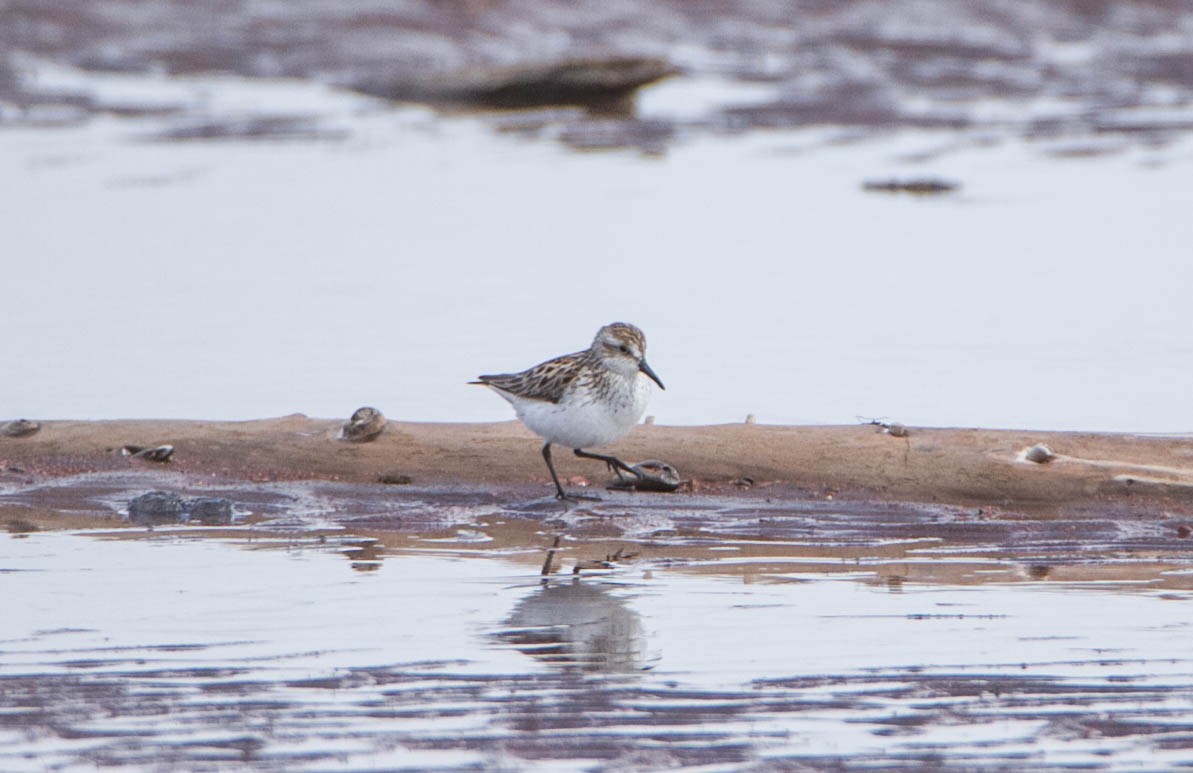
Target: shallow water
x,y
183,240
241,279
734,642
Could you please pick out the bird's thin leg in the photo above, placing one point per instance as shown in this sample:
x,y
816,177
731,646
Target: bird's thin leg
x,y
615,465
560,494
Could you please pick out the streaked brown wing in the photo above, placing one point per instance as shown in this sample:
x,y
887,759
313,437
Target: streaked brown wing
x,y
546,381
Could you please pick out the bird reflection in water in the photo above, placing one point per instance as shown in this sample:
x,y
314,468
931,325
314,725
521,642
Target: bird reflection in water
x,y
579,627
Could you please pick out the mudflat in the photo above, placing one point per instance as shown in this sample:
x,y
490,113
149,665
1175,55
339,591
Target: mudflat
x,y
1090,474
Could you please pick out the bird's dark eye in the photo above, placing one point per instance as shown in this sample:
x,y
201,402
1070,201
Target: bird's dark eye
x,y
624,349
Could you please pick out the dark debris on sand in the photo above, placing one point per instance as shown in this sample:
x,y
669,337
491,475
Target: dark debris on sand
x,y
165,507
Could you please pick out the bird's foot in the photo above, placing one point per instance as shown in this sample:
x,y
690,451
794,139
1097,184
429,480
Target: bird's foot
x,y
619,470
577,498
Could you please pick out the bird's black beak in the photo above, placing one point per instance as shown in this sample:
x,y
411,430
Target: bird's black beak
x,y
642,366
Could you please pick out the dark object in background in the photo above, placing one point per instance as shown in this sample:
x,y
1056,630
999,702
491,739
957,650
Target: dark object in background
x,y
926,186
586,82
365,425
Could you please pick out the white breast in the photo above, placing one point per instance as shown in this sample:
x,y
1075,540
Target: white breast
x,y
581,419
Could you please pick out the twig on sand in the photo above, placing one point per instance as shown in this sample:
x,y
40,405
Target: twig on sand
x,y
892,428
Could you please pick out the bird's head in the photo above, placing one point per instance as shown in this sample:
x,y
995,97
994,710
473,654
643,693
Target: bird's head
x,y
622,348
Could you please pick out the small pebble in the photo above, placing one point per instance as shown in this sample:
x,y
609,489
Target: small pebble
x,y
160,453
1040,454
656,475
19,428
365,425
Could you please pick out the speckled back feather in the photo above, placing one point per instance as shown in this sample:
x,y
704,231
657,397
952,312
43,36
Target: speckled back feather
x,y
546,381
587,371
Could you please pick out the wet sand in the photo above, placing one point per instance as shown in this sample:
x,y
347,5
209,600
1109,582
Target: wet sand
x,y
1095,475
951,506
820,499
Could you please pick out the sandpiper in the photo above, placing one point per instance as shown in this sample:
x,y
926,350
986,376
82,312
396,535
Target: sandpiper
x,y
585,399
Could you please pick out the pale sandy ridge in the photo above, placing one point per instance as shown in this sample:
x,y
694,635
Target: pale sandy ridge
x,y
979,467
